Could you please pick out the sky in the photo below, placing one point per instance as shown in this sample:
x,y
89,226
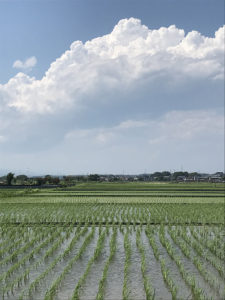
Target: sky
x,y
95,86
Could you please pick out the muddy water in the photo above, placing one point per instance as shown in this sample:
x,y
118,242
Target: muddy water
x,y
114,280
220,285
70,281
31,264
136,285
183,291
154,272
35,272
192,270
219,290
89,289
52,276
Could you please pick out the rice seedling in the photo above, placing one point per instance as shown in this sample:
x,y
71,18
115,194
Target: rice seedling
x,y
127,248
100,294
95,256
150,293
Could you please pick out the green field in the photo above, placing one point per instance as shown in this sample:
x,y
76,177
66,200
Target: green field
x,y
113,241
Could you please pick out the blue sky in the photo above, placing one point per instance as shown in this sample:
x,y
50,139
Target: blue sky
x,y
144,96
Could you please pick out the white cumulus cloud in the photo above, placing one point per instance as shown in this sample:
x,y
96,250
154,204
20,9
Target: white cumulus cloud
x,y
27,64
132,53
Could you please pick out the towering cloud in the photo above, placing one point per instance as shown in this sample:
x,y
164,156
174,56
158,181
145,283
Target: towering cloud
x,y
130,53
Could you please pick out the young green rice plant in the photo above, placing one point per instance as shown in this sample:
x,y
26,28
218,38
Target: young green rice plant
x,y
28,257
18,281
201,250
100,295
49,295
182,244
24,276
127,248
208,277
38,280
12,246
55,246
152,242
97,252
150,293
214,247
168,279
197,293
12,257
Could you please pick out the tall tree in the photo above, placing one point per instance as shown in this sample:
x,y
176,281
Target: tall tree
x,y
9,178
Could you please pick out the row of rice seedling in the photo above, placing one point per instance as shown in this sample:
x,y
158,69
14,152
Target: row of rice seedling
x,y
126,199
97,212
13,246
100,294
97,252
37,281
15,239
50,293
207,276
153,190
190,280
26,246
149,231
214,245
150,293
210,256
168,279
127,249
22,278
9,234
164,269
28,257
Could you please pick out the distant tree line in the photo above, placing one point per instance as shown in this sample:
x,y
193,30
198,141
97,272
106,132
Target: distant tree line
x,y
165,176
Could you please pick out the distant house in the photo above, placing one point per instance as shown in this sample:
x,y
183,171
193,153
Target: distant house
x,y
181,178
167,178
203,177
216,178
